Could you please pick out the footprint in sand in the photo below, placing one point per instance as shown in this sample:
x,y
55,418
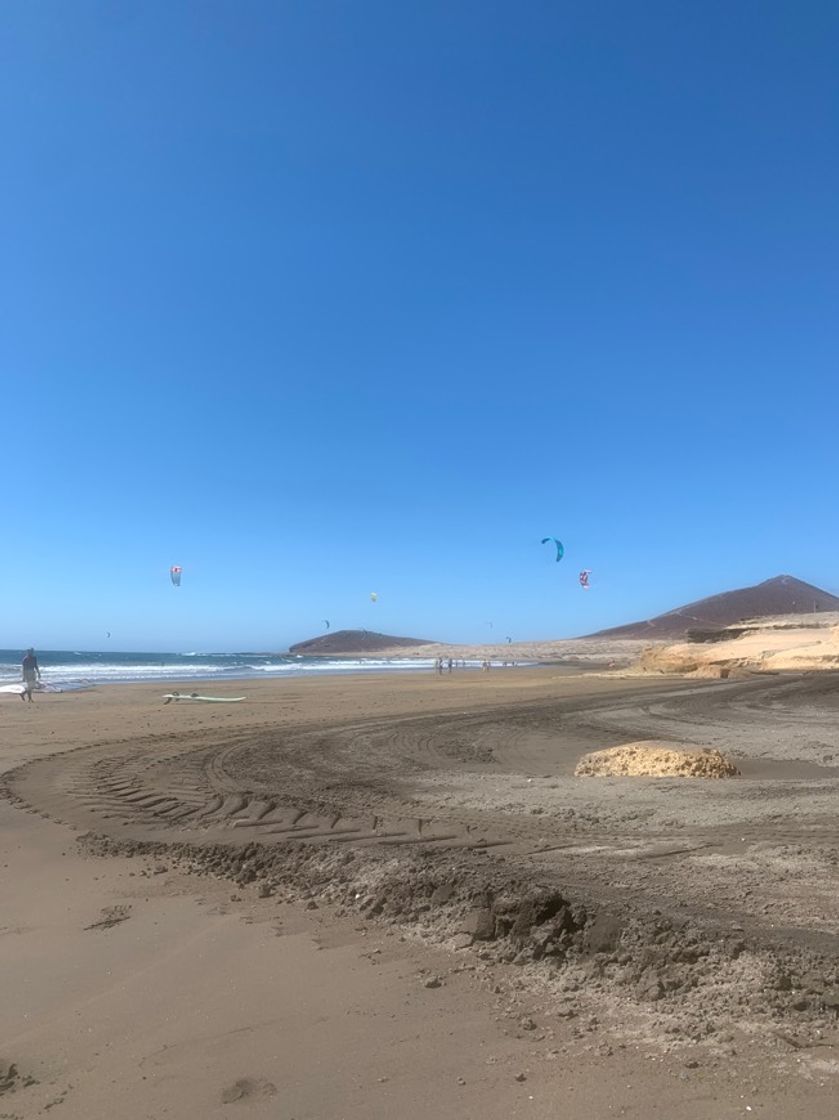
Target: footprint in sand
x,y
111,916
11,1080
248,1087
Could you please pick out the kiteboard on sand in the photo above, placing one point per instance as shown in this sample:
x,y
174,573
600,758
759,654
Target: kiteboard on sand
x,y
170,696
17,689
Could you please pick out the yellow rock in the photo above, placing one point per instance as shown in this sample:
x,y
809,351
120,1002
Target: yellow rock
x,y
652,758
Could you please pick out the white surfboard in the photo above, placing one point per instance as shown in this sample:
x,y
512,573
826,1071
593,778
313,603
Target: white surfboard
x,y
168,697
16,689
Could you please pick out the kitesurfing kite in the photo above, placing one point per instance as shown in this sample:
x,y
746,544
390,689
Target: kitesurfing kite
x,y
373,596
175,575
560,551
584,574
326,623
509,641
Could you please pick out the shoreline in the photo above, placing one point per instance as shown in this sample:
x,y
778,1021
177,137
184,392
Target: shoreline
x,y
316,668
81,669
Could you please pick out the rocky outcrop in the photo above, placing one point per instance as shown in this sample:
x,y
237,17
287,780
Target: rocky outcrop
x,y
765,645
652,758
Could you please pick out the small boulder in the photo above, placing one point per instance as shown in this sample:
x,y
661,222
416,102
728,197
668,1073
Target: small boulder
x,y
442,894
480,924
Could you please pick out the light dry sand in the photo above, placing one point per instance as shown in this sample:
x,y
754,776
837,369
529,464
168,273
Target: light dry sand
x,y
132,989
593,652
789,643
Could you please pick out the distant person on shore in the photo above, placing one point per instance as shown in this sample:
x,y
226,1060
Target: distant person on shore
x,y
450,664
31,674
438,665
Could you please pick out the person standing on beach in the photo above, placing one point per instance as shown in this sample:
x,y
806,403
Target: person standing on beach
x,y
31,674
450,664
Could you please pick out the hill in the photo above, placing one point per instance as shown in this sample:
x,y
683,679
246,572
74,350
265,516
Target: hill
x,y
782,595
354,641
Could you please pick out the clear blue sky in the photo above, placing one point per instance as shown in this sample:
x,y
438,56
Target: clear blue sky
x,y
316,299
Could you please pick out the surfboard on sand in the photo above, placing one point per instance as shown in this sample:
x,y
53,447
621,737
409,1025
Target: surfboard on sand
x,y
16,689
170,696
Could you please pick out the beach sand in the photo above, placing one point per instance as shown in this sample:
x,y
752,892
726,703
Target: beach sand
x,y
579,652
389,897
786,643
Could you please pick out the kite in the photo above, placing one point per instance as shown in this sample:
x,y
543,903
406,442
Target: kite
x,y
584,574
374,596
175,575
560,551
509,641
326,623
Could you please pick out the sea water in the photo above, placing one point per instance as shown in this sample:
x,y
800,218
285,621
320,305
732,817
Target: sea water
x,y
73,669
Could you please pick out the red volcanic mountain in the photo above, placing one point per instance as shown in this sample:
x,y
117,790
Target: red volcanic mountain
x,y
353,641
781,595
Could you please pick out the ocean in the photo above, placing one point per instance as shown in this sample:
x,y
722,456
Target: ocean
x,y
76,669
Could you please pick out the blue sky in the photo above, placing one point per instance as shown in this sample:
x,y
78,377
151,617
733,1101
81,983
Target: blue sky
x,y
316,299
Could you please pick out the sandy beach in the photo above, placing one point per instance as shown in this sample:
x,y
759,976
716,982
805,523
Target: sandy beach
x,y
581,652
388,896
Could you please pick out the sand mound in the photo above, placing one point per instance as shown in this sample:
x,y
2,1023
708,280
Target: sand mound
x,y
654,759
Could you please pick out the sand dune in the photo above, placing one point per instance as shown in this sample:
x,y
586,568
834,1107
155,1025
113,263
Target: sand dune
x,y
787,643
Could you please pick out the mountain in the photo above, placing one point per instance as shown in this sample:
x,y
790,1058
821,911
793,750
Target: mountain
x,y
781,595
353,641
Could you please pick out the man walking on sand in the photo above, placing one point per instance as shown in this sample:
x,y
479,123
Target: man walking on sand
x,y
31,674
